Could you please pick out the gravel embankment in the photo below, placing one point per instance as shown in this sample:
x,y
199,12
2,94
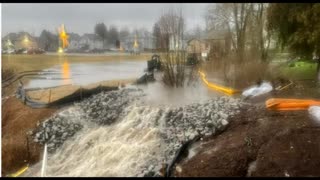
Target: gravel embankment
x,y
103,108
178,124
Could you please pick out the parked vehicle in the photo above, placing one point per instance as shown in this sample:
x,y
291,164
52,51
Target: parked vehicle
x,y
35,51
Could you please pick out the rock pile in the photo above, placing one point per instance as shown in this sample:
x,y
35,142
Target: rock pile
x,y
105,108
176,124
55,130
204,119
197,119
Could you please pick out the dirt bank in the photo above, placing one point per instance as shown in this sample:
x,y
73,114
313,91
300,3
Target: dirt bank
x,y
271,143
17,120
56,93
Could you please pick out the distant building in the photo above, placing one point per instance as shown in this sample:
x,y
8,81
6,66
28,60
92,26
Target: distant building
x,y
74,41
145,42
219,42
93,41
21,40
198,47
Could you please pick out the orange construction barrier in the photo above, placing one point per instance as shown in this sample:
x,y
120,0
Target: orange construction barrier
x,y
222,89
282,104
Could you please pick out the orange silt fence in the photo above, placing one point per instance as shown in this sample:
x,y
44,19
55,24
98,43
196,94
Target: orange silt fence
x,y
282,104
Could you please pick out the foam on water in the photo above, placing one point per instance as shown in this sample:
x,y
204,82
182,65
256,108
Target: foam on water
x,y
121,149
126,148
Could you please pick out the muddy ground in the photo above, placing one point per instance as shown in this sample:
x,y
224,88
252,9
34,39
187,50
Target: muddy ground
x,y
17,120
259,142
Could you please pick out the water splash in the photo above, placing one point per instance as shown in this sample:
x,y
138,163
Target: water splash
x,y
120,150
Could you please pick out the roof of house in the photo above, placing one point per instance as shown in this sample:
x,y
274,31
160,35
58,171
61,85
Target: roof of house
x,y
74,36
188,41
214,34
91,36
18,36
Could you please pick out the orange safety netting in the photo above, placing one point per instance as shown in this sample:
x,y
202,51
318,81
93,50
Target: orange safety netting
x,y
225,90
282,104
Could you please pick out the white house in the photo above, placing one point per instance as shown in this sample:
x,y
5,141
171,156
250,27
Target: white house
x,y
92,40
145,41
74,41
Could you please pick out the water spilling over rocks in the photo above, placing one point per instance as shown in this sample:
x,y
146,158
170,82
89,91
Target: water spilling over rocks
x,y
55,130
105,108
127,115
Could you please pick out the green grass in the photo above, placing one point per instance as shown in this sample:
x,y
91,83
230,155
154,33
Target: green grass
x,y
301,69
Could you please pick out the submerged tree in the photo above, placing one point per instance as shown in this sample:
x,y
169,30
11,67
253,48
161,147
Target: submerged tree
x,y
173,57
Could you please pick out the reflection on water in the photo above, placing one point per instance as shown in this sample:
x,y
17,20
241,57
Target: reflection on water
x,y
87,73
66,73
159,94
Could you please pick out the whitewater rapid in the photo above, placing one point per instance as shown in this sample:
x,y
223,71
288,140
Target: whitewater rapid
x,y
122,149
140,141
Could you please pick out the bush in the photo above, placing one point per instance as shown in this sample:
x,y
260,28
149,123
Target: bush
x,y
7,73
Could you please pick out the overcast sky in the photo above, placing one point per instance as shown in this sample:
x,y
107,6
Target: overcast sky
x,y
81,18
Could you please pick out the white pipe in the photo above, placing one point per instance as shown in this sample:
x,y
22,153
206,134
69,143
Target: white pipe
x,y
44,161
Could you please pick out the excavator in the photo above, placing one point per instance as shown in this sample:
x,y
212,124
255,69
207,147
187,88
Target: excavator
x,y
152,65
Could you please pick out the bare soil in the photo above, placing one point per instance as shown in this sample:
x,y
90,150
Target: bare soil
x,y
259,142
17,120
56,93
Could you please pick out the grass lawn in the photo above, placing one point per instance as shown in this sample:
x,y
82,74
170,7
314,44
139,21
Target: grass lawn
x,y
300,70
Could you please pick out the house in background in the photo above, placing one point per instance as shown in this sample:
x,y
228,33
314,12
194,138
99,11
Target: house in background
x,y
21,40
198,47
219,42
92,41
74,41
145,42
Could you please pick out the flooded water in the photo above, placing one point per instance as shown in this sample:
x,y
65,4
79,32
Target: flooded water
x,y
87,73
158,94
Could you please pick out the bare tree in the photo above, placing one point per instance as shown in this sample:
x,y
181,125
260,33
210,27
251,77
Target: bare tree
x,y
101,30
113,35
173,58
241,20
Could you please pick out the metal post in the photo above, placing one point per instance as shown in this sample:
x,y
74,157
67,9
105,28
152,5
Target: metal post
x,y
28,150
49,95
80,92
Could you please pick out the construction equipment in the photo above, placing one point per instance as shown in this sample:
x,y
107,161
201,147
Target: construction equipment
x,y
154,63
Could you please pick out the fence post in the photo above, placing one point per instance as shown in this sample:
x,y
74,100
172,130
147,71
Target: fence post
x,y
28,150
81,92
49,95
